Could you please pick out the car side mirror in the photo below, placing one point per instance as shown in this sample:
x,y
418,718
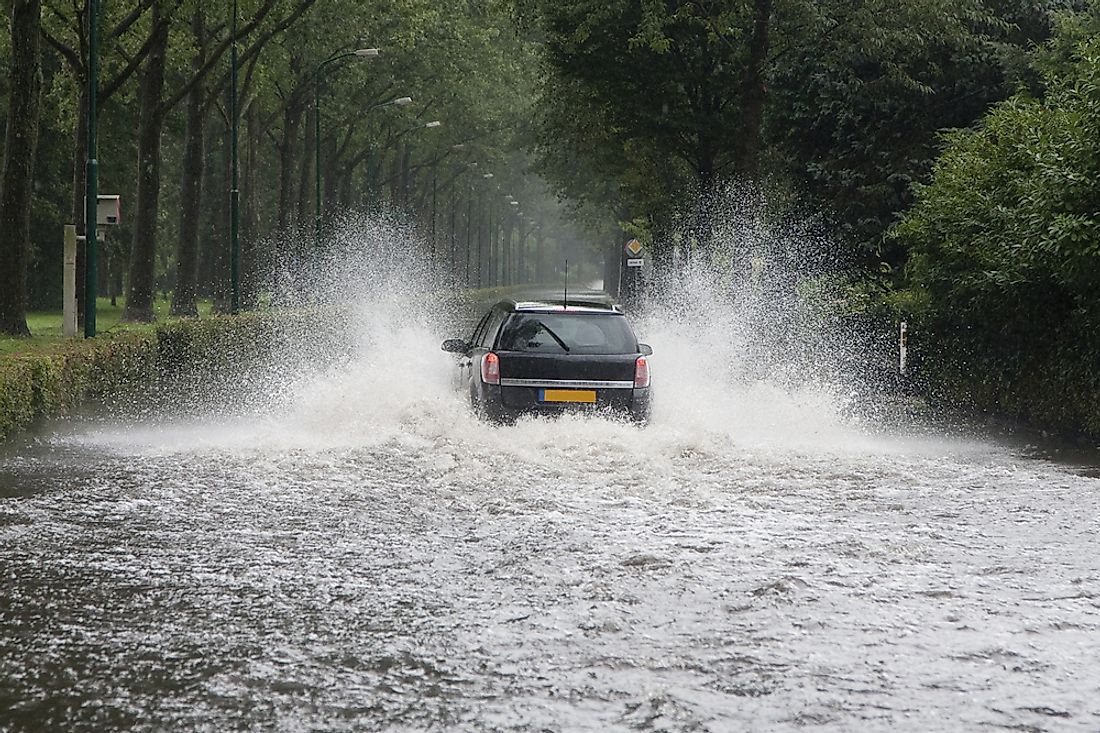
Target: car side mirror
x,y
645,349
455,346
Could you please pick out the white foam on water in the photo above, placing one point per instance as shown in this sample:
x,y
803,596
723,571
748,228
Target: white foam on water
x,y
722,382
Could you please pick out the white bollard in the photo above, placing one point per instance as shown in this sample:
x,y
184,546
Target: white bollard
x,y
68,289
903,348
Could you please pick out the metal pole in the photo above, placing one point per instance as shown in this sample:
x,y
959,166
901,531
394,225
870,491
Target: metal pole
x,y
480,238
317,158
469,219
434,193
454,185
91,173
370,180
234,191
488,251
903,349
317,141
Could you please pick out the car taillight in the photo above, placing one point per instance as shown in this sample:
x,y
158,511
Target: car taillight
x,y
641,372
490,368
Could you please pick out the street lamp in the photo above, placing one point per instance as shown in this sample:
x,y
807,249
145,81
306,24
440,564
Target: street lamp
x,y
512,255
426,126
399,102
368,53
423,126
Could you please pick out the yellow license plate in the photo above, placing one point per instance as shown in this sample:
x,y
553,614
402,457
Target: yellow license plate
x,y
568,395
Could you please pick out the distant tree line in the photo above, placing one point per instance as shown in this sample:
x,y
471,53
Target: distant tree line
x,y
164,122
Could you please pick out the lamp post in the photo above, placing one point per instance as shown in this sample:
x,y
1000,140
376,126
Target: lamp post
x,y
425,126
234,189
469,218
513,269
398,102
454,236
435,194
369,53
91,174
481,263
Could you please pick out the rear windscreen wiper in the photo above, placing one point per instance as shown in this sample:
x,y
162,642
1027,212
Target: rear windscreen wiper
x,y
553,335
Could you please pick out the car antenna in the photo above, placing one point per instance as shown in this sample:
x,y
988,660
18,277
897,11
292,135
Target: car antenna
x,y
565,292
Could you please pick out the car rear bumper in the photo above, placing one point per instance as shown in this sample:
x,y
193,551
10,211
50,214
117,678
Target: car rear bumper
x,y
509,400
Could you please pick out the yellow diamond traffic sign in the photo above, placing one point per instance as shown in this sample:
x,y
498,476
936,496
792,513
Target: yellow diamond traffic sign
x,y
633,248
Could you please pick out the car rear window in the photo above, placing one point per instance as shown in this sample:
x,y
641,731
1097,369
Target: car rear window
x,y
559,333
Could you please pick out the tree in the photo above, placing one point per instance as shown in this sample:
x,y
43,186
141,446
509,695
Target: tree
x,y
840,100
154,109
66,32
677,82
16,184
1004,242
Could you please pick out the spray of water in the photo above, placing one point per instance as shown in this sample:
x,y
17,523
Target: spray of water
x,y
752,341
342,543
746,356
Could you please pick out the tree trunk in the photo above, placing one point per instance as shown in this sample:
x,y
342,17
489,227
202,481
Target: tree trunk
x,y
139,296
16,184
406,176
209,221
747,150
540,257
330,180
347,177
194,158
284,243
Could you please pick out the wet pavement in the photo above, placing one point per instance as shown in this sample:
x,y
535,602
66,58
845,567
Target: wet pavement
x,y
371,557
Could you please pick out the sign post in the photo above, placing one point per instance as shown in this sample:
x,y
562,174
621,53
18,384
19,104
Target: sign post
x,y
630,270
68,285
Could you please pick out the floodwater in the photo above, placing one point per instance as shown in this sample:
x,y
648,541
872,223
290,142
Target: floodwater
x,y
369,556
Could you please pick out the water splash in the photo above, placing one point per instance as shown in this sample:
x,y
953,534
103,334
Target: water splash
x,y
745,358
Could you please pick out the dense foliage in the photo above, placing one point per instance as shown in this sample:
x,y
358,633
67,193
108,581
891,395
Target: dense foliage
x,y
1005,242
838,101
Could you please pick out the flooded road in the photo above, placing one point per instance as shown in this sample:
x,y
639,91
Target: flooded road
x,y
371,557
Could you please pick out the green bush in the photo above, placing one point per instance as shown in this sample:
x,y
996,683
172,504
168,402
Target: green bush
x,y
180,354
1004,252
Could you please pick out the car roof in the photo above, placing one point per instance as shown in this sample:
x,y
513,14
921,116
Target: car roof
x,y
588,301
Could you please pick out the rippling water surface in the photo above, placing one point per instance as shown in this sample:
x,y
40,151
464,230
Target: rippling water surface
x,y
369,556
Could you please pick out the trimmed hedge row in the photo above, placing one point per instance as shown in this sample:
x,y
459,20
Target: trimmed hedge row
x,y
1056,388
129,364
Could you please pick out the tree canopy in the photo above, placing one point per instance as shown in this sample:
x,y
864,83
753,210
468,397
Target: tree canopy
x,y
840,101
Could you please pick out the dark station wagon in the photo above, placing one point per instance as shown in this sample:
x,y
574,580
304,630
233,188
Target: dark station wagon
x,y
548,356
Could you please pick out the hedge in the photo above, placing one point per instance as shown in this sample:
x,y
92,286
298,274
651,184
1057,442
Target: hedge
x,y
176,355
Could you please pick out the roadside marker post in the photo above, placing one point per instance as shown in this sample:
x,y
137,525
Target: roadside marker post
x,y
630,271
68,284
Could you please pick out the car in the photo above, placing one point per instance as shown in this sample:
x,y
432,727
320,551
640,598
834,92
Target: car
x,y
548,356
